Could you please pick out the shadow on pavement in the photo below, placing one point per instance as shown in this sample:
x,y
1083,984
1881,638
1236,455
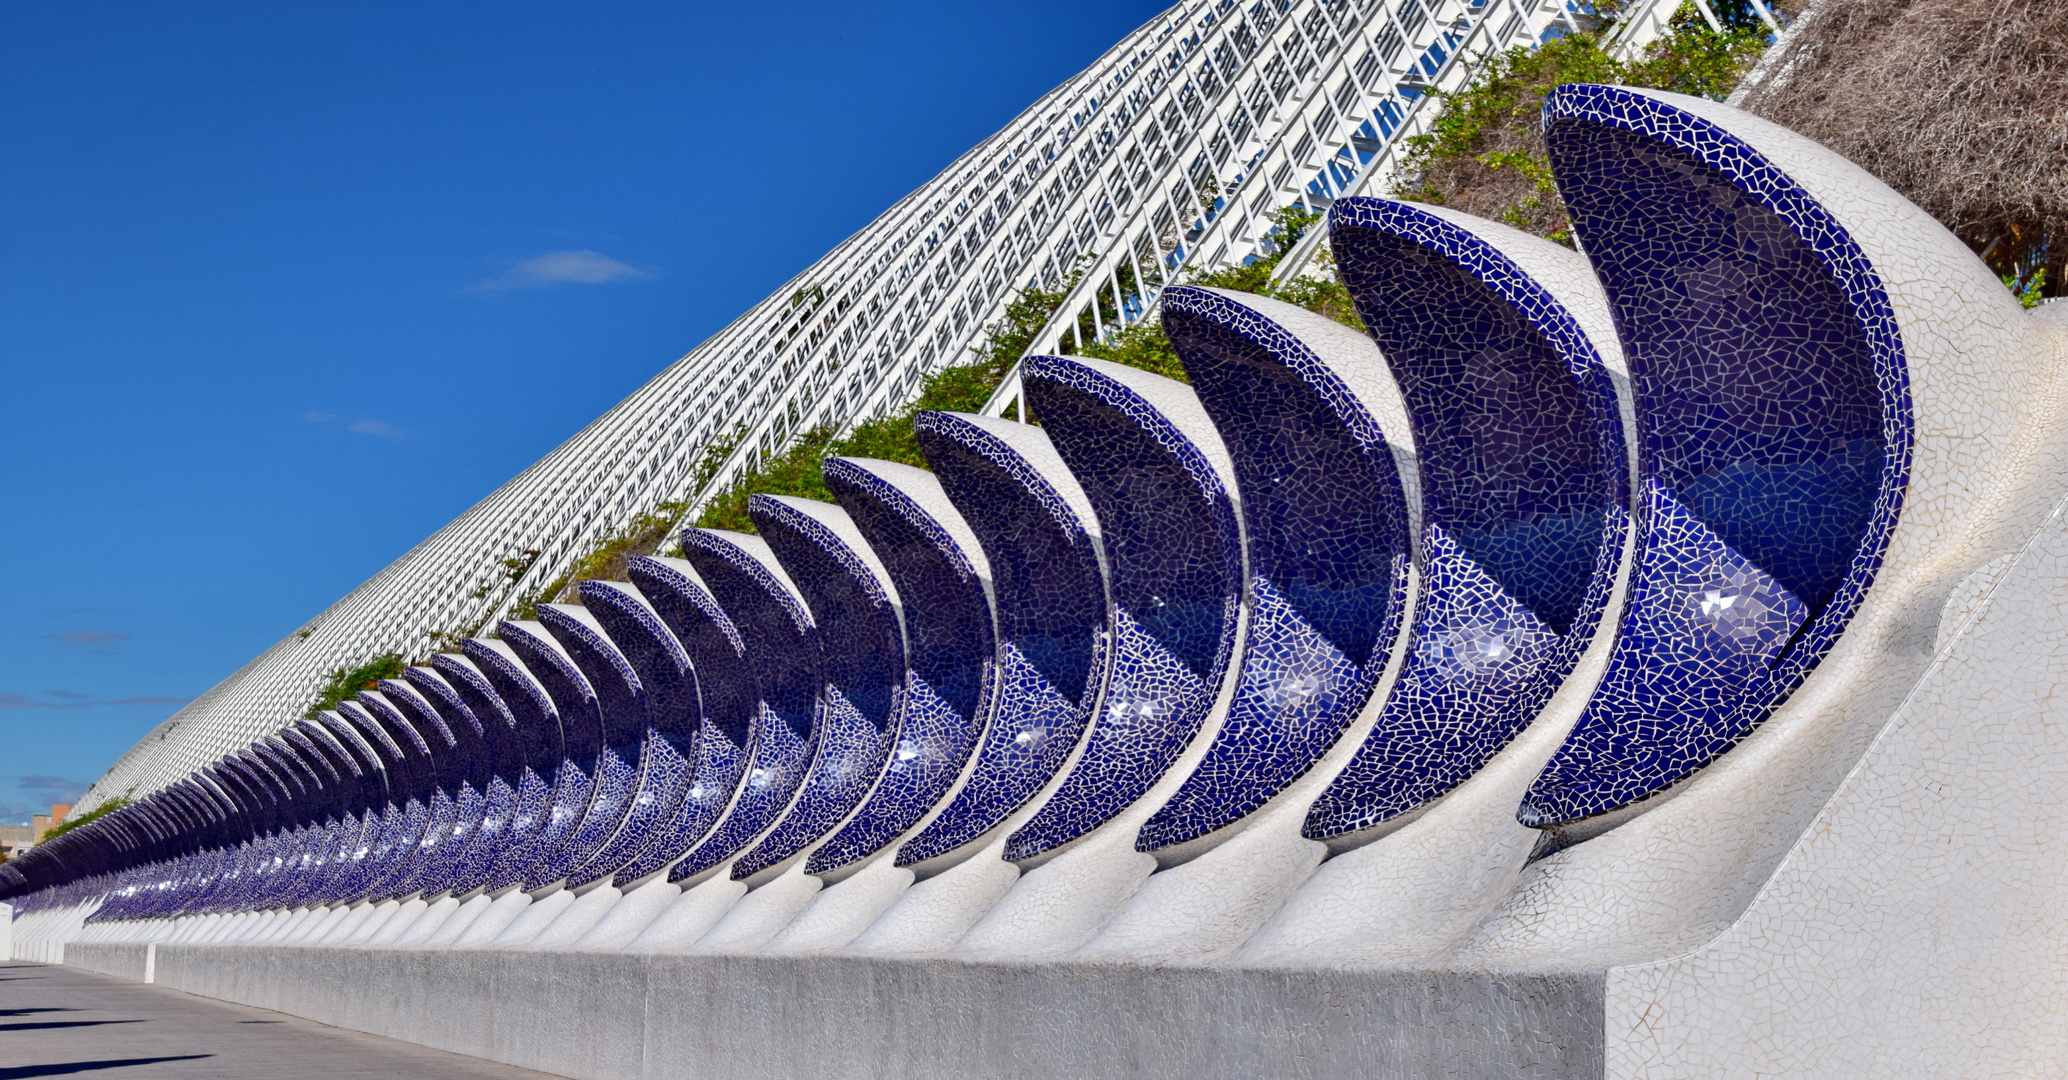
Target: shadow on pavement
x,y
23,1072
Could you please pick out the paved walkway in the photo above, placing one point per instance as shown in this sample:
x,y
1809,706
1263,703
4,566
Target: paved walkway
x,y
60,1021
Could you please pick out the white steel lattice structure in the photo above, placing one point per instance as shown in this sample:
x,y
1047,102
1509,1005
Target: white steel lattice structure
x,y
1164,155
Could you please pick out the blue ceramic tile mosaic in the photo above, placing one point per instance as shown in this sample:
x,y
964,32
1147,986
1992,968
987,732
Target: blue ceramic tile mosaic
x,y
1524,483
671,720
581,739
621,703
414,774
1774,426
1052,625
480,826
862,653
452,797
1174,560
543,790
782,653
1326,517
515,790
406,814
951,646
728,697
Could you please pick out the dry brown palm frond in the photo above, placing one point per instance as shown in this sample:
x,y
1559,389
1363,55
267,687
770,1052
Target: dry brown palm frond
x,y
1961,105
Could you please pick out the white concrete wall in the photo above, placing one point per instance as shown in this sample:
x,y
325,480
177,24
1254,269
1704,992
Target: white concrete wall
x,y
617,1017
1920,926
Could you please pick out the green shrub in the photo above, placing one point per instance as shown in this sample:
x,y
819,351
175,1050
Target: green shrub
x,y
344,682
1485,155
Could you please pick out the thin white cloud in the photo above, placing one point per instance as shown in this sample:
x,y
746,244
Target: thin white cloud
x,y
376,427
362,426
91,637
583,267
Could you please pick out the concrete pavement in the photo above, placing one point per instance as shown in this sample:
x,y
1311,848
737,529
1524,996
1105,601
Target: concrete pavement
x,y
60,1021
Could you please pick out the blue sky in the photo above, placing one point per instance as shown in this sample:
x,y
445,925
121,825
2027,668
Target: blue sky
x,y
284,287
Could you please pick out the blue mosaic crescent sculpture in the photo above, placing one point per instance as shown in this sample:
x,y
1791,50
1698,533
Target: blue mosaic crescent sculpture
x,y
327,814
1774,437
373,805
216,871
1053,616
553,790
449,797
670,719
471,770
468,857
1524,483
728,703
1173,546
621,707
249,801
274,846
941,576
862,649
1326,516
419,770
589,771
518,791
782,652
364,791
409,781
279,791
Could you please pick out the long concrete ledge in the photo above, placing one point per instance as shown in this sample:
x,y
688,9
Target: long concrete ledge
x,y
123,960
603,1015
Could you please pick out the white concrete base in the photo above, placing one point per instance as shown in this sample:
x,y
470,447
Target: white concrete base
x,y
282,930
629,916
123,960
534,918
839,913
577,918
811,1017
317,928
398,924
934,914
343,929
1208,906
377,916
690,917
1060,904
457,925
762,913
492,921
434,916
1919,927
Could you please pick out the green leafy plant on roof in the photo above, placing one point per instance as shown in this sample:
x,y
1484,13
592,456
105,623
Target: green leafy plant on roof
x,y
347,681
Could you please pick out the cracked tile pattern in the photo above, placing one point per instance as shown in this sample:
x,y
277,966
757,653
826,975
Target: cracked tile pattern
x,y
1174,558
1774,436
862,650
938,569
1524,487
782,652
728,698
1329,544
670,721
1054,635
